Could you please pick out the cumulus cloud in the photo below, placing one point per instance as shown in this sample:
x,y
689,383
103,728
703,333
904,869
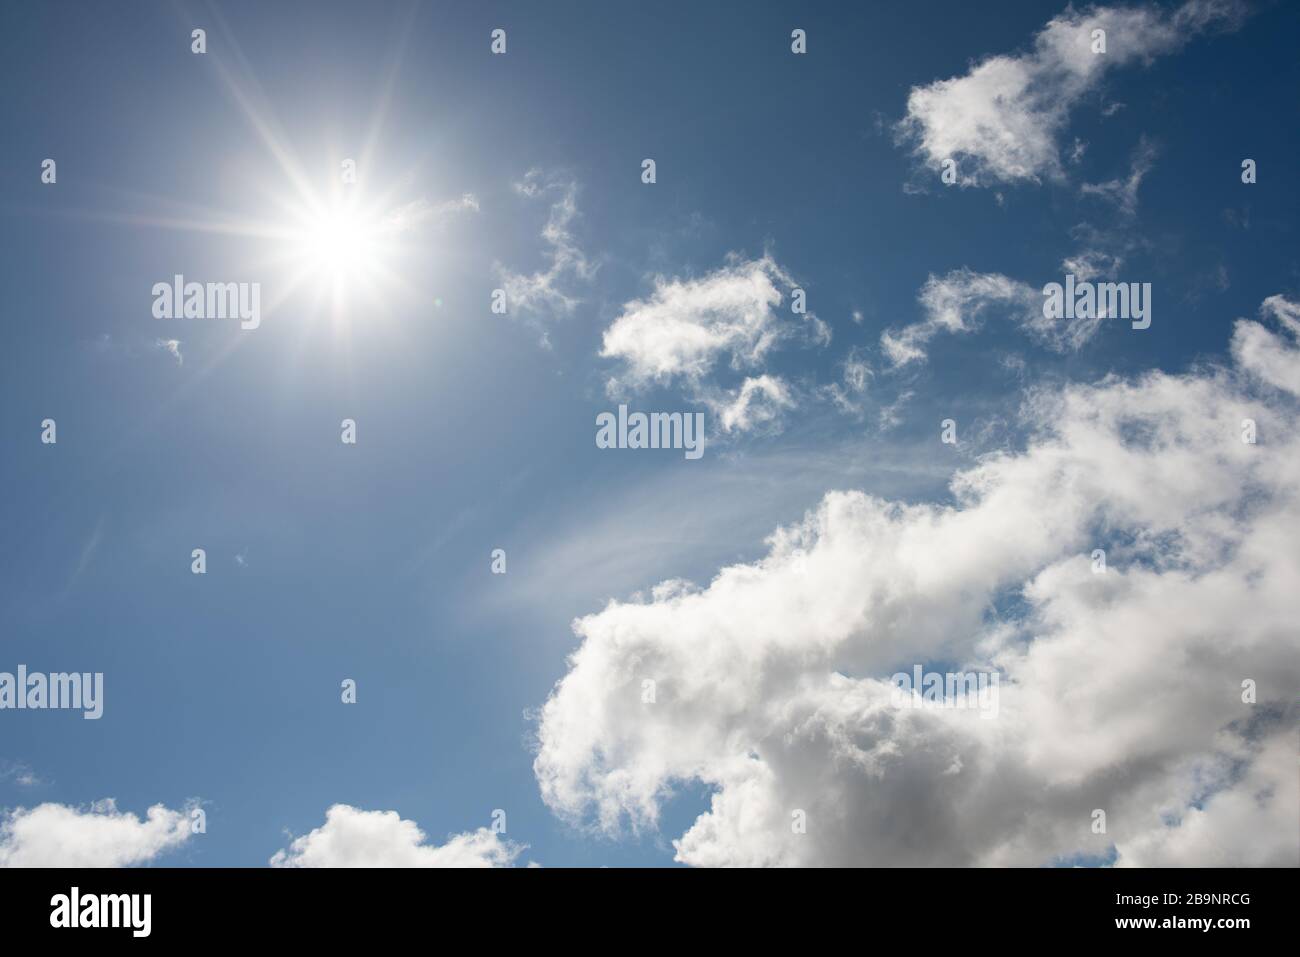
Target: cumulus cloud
x,y
956,302
550,290
351,837
687,326
56,835
1003,119
1120,691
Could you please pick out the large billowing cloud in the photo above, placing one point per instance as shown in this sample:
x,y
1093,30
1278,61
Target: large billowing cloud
x,y
1121,690
1002,120
56,835
351,837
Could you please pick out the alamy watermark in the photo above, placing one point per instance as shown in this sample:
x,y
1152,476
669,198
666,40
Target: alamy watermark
x,y
651,430
75,909
963,690
213,300
1102,300
36,691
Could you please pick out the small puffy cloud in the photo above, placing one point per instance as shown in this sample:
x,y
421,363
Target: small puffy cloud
x,y
56,835
1119,690
549,291
351,837
686,329
1002,120
759,401
172,347
687,326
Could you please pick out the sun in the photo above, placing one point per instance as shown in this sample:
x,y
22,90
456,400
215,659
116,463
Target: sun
x,y
348,253
341,243
339,239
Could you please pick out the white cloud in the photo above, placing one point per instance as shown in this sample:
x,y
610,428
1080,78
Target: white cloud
x,y
421,211
56,835
20,774
686,326
1089,264
1002,120
1123,193
758,401
891,416
351,837
1265,353
1284,311
172,347
954,304
848,394
1120,691
549,291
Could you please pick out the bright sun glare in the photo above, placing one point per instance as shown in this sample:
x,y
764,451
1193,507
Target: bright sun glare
x,y
338,250
344,251
341,243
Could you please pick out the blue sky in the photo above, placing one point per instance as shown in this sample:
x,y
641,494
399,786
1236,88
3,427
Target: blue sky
x,y
475,430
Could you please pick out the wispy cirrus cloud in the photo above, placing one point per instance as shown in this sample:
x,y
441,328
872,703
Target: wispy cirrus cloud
x,y
847,394
19,774
1123,193
953,303
422,211
957,302
757,402
552,290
